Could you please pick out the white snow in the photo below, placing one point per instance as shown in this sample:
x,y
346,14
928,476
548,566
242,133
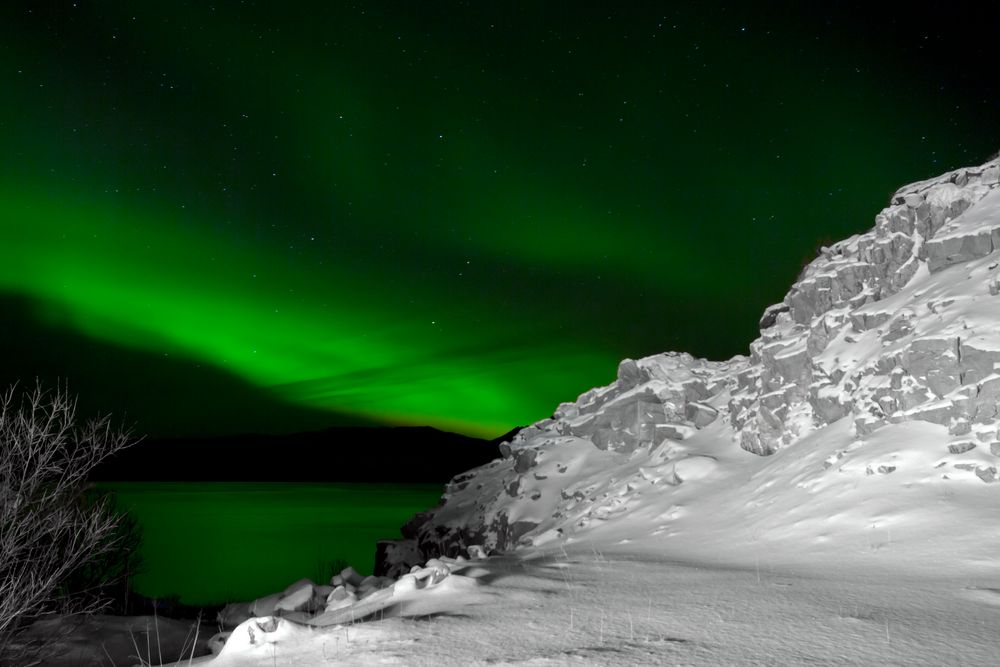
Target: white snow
x,y
980,218
606,604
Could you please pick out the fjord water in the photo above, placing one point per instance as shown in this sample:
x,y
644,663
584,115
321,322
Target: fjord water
x,y
212,542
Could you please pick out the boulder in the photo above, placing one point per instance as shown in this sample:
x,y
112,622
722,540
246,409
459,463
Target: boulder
x,y
639,415
961,447
700,414
828,406
673,432
931,354
939,412
350,576
748,377
566,410
863,320
340,598
899,328
630,375
771,314
987,474
867,424
989,389
912,396
943,381
695,390
617,440
524,460
264,606
755,444
296,597
369,585
958,247
980,354
959,427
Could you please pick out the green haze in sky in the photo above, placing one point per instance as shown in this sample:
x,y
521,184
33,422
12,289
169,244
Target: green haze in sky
x,y
454,216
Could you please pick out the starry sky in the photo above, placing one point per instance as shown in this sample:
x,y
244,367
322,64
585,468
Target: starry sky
x,y
276,216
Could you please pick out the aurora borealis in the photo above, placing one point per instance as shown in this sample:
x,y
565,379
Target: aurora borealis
x,y
454,214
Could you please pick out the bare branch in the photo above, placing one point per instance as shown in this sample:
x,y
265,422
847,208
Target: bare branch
x,y
49,528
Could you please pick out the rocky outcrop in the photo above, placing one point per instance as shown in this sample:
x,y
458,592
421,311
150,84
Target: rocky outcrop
x,y
897,324
873,328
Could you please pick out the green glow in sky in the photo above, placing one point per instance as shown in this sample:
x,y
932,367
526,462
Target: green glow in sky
x,y
437,215
334,338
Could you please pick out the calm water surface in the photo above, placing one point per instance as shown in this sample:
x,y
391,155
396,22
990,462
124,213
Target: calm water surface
x,y
210,542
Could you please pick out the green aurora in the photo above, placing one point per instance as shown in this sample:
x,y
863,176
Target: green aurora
x,y
440,214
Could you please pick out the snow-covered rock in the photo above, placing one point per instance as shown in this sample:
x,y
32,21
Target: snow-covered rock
x,y
296,597
348,576
896,325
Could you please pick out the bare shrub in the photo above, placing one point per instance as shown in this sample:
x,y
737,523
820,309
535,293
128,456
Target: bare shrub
x,y
104,580
51,527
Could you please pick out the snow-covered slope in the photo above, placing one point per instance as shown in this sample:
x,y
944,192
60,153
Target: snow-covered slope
x,y
830,499
868,405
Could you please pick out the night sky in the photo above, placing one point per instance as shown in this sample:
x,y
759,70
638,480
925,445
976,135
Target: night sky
x,y
275,216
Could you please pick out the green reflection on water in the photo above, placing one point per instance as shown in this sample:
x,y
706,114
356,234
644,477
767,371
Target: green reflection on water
x,y
210,542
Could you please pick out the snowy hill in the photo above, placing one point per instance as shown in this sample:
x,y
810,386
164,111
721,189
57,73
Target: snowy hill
x,y
867,411
829,499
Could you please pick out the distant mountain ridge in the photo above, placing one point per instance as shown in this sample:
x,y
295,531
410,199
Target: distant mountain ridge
x,y
399,454
883,356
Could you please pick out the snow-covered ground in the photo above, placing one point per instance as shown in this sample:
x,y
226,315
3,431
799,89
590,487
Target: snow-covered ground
x,y
779,560
634,607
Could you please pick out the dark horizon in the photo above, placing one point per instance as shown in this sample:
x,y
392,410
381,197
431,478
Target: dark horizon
x,y
277,219
345,454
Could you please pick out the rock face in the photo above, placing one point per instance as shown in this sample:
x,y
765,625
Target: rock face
x,y
883,326
896,324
